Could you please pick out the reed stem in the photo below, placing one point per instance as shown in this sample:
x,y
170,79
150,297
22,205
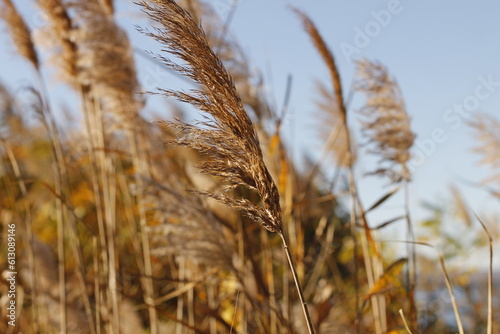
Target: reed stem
x,y
303,302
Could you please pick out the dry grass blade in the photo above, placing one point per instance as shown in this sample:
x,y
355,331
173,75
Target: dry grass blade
x,y
404,321
333,104
388,281
489,329
19,31
226,138
448,285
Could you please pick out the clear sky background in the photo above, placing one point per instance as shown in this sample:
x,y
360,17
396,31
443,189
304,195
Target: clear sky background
x,y
437,51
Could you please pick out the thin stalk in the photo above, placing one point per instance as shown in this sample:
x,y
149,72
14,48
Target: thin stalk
x,y
379,271
97,291
373,266
180,301
404,321
98,201
286,295
412,270
190,297
243,271
489,328
452,296
80,274
352,215
370,275
109,206
268,265
59,170
303,302
325,252
448,286
28,227
66,194
212,323
140,169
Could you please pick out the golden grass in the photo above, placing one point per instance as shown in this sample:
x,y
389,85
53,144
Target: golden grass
x,y
114,236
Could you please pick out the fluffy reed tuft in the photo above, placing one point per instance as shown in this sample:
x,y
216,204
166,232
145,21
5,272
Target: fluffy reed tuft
x,y
108,6
386,123
227,137
21,34
189,230
105,57
60,30
486,129
332,126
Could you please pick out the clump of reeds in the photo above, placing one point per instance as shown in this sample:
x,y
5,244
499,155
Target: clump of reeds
x,y
93,216
226,138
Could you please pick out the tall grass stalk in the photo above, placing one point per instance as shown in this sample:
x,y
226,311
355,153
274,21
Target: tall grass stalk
x,y
227,138
346,157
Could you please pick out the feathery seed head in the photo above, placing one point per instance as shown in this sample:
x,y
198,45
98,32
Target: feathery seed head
x,y
21,34
227,139
386,121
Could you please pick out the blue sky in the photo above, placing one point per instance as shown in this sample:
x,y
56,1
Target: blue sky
x,y
439,52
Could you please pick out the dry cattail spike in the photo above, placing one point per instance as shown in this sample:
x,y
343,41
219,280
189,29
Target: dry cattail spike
x,y
386,123
20,32
227,138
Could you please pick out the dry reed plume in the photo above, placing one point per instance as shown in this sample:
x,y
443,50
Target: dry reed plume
x,y
21,34
227,139
386,122
486,132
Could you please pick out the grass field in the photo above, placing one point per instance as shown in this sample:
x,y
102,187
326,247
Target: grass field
x,y
114,224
